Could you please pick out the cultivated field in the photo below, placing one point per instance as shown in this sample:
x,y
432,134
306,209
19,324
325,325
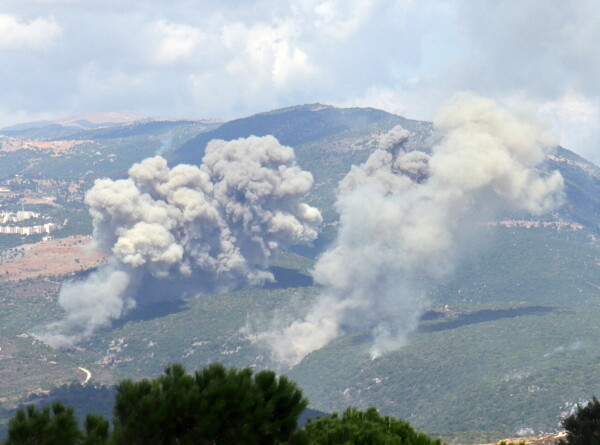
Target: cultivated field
x,y
48,258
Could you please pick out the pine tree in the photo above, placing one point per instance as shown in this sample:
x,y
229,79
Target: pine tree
x,y
583,427
214,406
96,430
364,427
31,426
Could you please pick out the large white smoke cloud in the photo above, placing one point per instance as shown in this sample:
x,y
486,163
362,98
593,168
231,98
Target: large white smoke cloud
x,y
402,218
216,225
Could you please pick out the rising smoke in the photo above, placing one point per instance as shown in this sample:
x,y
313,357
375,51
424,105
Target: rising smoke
x,y
215,226
403,216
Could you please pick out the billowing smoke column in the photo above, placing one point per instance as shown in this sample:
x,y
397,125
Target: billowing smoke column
x,y
403,216
216,226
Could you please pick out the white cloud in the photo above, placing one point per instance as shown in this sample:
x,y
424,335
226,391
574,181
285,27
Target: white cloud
x,y
386,99
176,42
38,3
39,33
106,87
266,54
575,118
571,108
544,54
12,117
56,2
232,59
338,19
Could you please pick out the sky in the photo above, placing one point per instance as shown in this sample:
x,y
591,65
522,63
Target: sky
x,y
226,59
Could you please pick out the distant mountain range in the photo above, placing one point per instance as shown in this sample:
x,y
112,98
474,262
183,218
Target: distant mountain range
x,y
327,140
74,125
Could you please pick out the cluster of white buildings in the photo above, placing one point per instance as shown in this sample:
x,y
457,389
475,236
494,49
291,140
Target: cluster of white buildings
x,y
15,217
31,230
18,216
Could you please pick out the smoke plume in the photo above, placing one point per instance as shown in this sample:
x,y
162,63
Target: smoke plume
x,y
215,226
403,216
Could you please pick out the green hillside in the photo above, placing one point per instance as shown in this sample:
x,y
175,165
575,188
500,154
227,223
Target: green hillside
x,y
520,358
510,343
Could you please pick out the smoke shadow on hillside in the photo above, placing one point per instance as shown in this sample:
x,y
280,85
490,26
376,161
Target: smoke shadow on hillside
x,y
152,310
288,278
482,317
165,297
313,250
460,319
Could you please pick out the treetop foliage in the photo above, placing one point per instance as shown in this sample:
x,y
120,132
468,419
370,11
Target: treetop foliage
x,y
583,426
48,426
214,405
365,428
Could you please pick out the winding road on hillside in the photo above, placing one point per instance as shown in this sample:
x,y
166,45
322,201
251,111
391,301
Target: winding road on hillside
x,y
88,375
